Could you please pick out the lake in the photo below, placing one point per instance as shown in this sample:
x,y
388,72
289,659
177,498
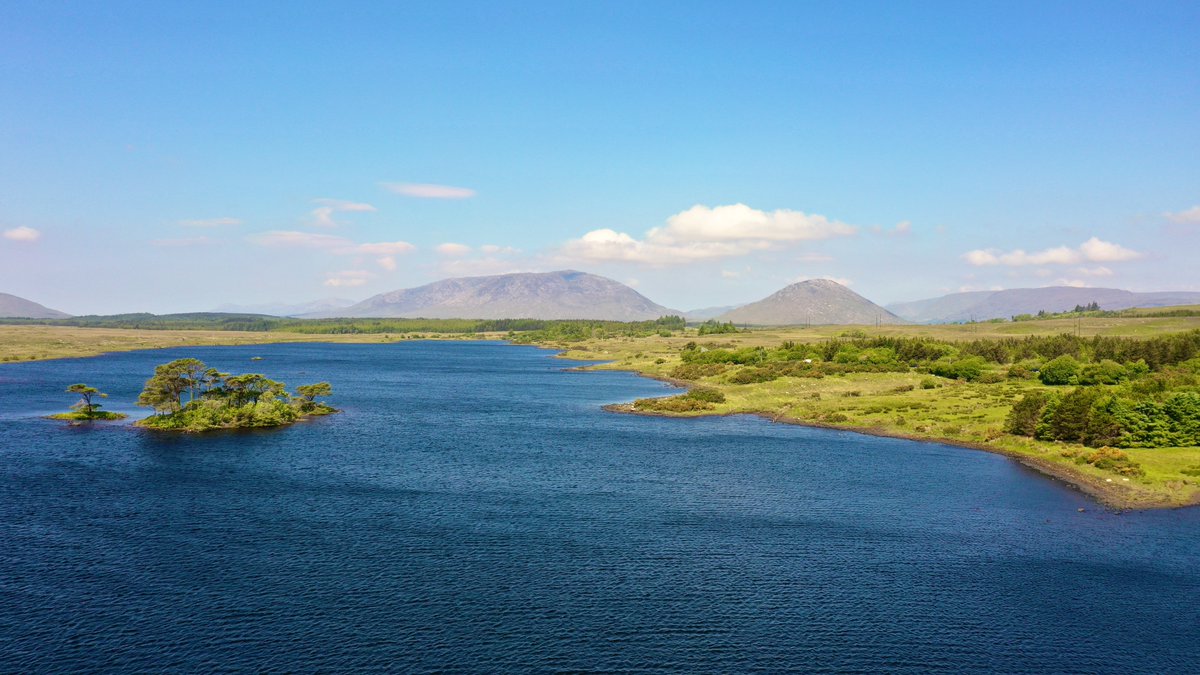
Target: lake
x,y
474,508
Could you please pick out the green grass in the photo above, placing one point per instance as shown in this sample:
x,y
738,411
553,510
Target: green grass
x,y
895,404
97,416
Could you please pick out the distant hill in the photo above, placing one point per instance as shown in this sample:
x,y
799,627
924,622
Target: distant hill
x,y
545,295
706,313
12,307
284,309
817,301
984,305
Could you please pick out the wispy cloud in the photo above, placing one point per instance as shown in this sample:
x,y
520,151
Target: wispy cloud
x,y
182,242
328,242
429,190
23,234
1092,250
384,248
707,233
1186,217
211,222
347,278
323,214
902,229
293,239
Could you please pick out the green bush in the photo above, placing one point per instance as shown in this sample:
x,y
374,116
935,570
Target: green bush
x,y
1062,370
1023,419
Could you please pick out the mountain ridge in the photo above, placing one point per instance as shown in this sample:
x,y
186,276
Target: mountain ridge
x,y
16,307
1004,304
562,294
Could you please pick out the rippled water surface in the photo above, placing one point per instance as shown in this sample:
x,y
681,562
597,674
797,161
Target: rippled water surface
x,y
475,509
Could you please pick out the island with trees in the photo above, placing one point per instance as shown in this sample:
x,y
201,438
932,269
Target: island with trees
x,y
87,409
187,395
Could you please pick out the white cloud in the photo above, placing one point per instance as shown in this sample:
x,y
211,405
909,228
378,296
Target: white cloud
x,y
730,274
347,278
1097,271
453,250
1096,250
211,222
1092,250
387,262
22,234
1074,283
429,191
704,233
323,214
493,249
1186,217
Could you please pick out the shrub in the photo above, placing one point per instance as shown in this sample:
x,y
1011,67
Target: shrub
x,y
695,371
1105,372
930,383
1060,371
968,369
1023,418
706,394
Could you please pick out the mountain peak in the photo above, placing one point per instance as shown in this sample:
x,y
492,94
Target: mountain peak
x,y
812,301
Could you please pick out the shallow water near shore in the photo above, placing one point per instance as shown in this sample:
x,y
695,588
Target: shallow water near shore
x,y
474,508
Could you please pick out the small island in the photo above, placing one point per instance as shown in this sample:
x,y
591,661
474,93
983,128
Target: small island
x,y
86,409
189,396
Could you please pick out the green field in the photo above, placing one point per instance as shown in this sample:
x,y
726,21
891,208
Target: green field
x,y
964,413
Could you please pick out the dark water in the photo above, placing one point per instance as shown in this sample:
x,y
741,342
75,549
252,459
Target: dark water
x,y
474,509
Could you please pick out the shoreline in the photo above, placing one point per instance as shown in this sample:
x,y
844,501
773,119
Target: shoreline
x,y
1112,496
1109,495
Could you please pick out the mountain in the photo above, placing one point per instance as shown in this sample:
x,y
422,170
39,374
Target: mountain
x,y
984,305
284,309
544,295
706,313
817,301
19,308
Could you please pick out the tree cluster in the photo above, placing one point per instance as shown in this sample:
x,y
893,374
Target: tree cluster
x,y
187,394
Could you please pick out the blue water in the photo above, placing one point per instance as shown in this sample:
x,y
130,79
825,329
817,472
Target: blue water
x,y
474,509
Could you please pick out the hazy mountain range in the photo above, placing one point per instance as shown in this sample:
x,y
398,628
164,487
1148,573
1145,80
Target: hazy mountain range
x,y
569,294
565,294
285,309
984,305
12,307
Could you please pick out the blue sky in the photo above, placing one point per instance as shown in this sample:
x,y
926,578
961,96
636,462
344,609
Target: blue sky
x,y
175,156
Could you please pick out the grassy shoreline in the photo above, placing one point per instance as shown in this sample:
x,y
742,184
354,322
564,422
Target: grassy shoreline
x,y
969,415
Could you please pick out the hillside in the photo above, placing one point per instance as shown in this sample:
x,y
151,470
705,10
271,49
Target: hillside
x,y
19,308
984,305
545,295
816,302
